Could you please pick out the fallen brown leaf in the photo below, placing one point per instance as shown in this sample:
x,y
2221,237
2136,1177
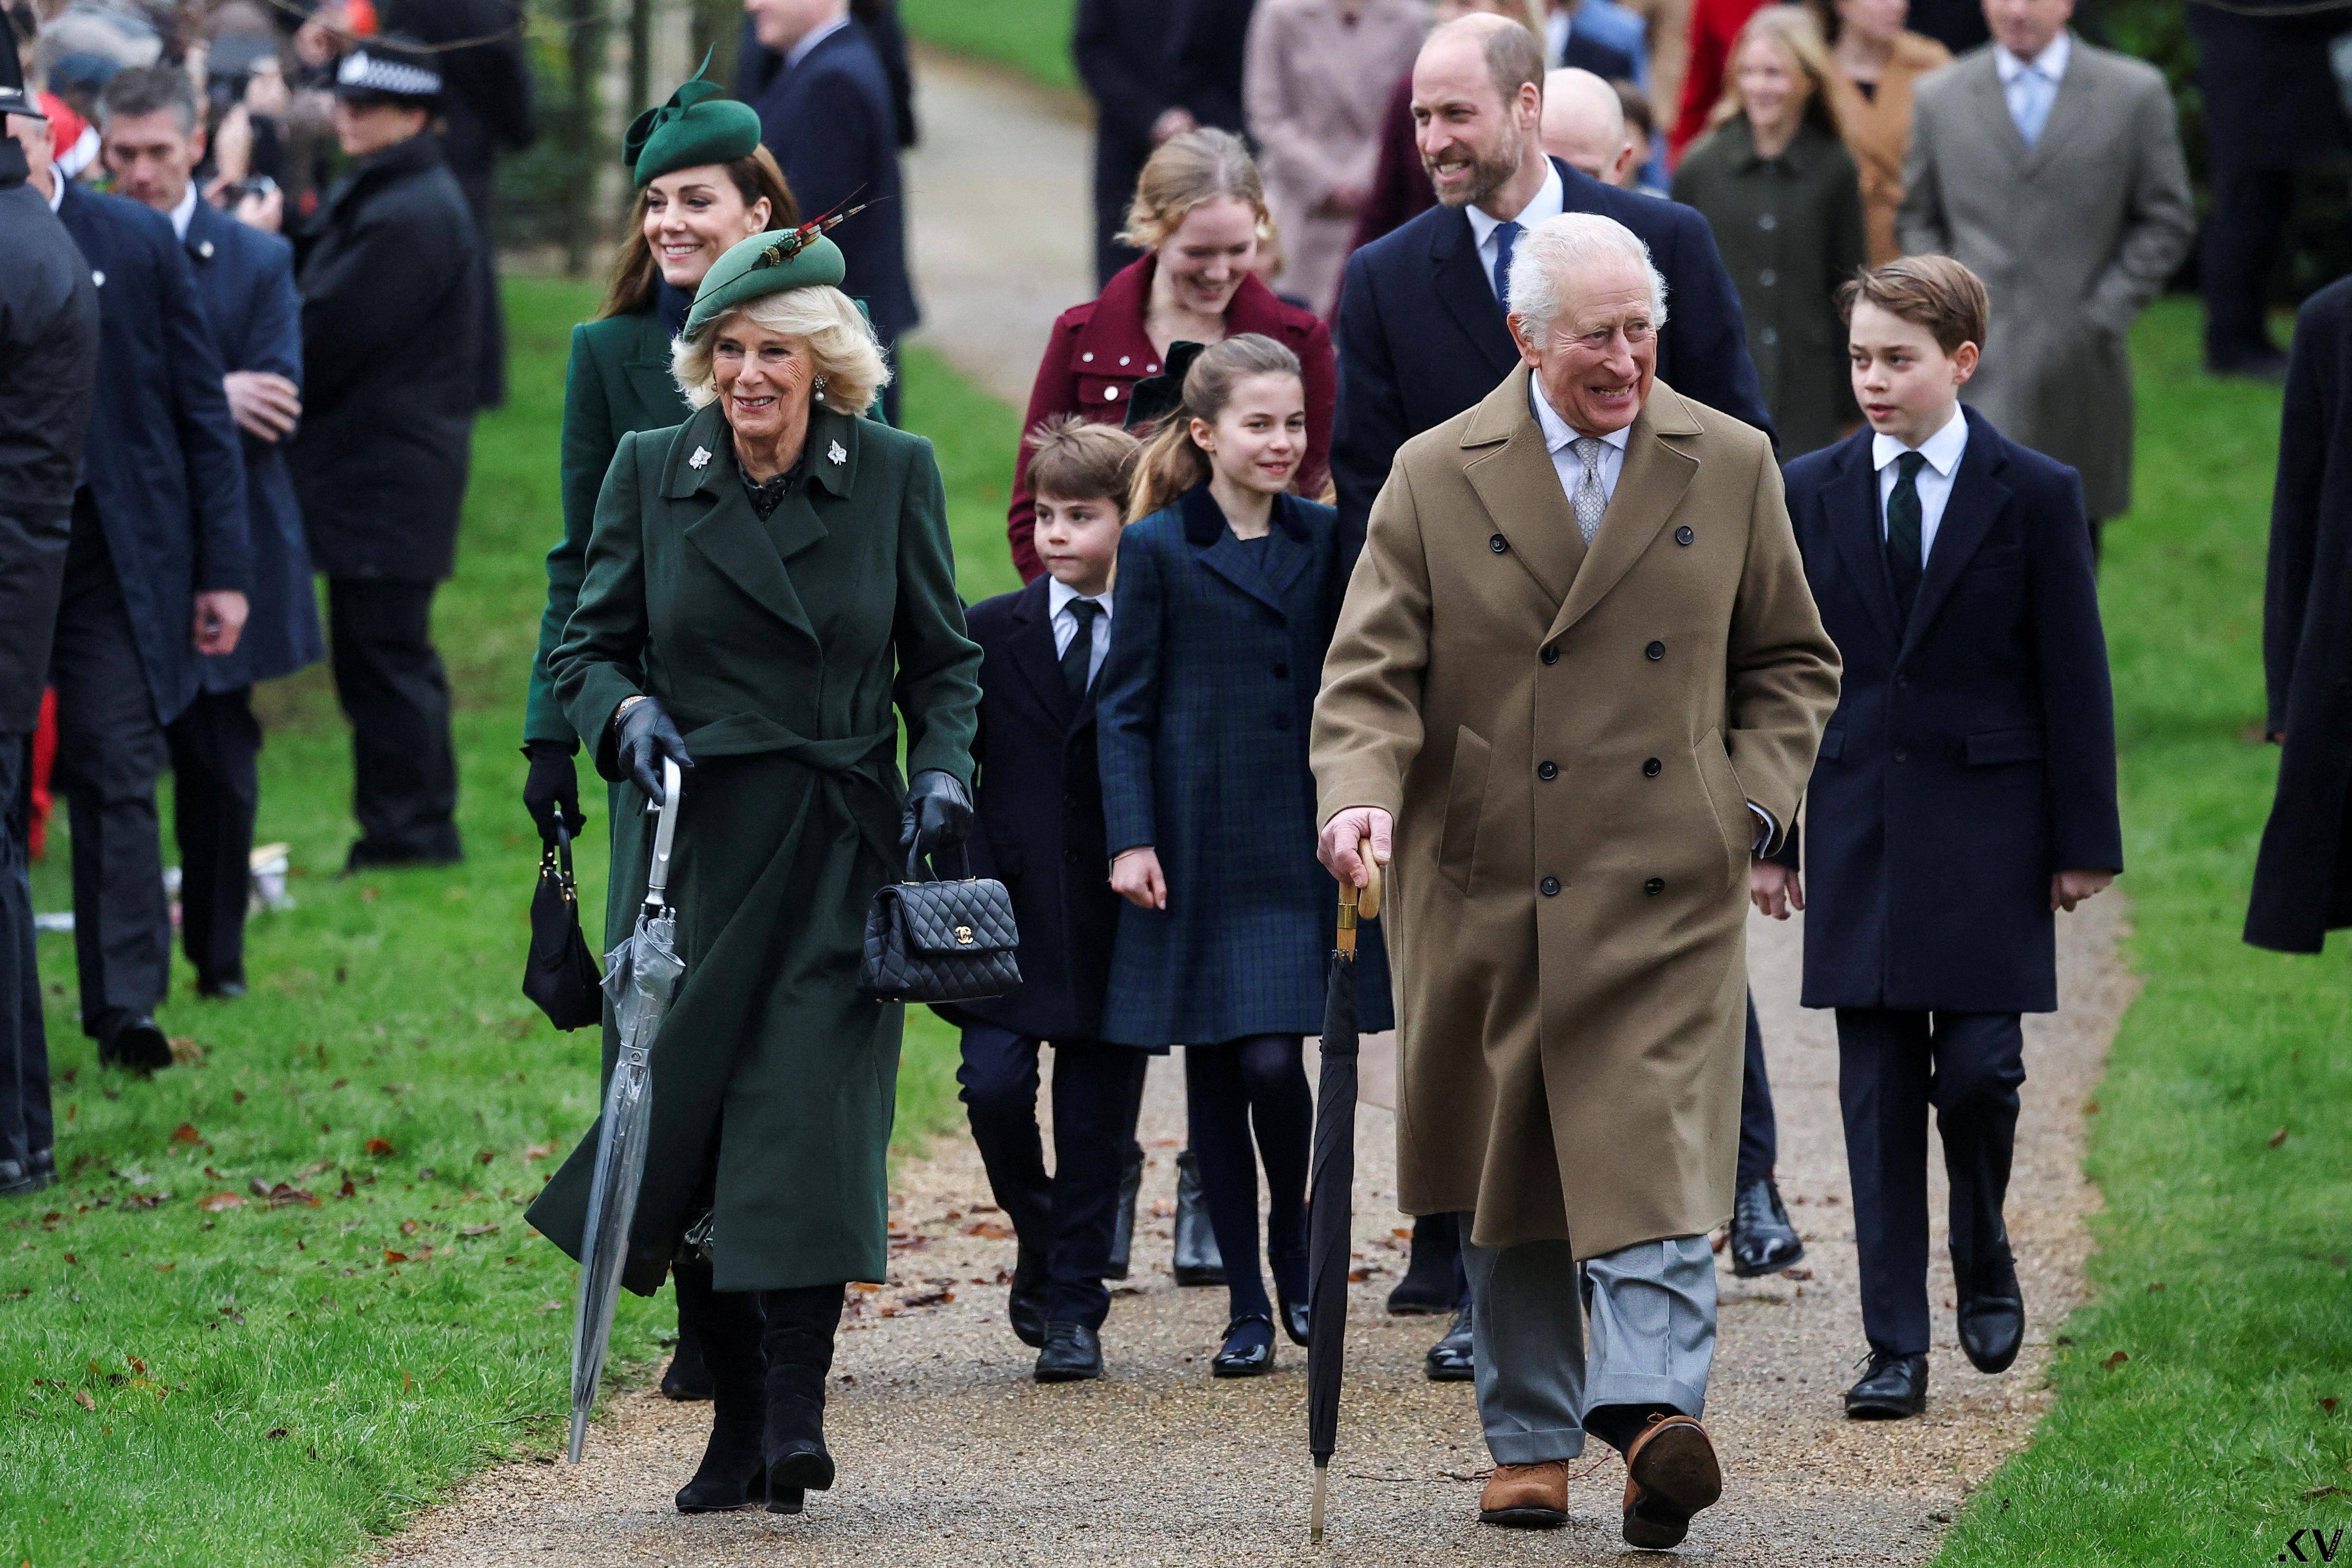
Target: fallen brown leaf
x,y
408,1227
379,1146
2115,1361
185,1132
221,1203
2327,1403
1796,1274
928,1298
550,1306
2278,1137
392,1257
136,1364
477,1229
82,1398
186,1052
486,1157
346,1190
539,1151
990,1230
277,1432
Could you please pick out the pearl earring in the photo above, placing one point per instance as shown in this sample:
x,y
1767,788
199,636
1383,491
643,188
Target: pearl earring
x,y
816,389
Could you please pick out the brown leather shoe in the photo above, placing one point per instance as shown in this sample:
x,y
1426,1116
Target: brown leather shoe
x,y
1670,1474
1530,1496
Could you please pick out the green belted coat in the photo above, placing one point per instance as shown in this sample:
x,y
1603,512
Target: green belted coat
x,y
780,648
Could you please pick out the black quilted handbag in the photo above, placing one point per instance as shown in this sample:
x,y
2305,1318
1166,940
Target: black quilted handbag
x,y
939,942
559,973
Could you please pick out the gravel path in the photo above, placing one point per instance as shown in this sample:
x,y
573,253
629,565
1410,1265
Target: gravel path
x,y
952,1456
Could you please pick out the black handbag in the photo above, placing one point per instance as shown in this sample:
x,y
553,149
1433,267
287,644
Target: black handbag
x,y
939,942
559,973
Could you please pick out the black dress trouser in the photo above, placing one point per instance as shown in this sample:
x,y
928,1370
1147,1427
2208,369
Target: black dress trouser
x,y
25,1124
216,750
1068,1217
1892,1066
394,690
2244,234
111,752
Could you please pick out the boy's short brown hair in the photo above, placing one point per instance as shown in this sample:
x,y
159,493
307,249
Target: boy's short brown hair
x,y
1931,291
1070,459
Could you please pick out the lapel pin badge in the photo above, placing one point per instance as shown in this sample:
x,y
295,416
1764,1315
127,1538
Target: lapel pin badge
x,y
701,458
97,279
205,248
837,452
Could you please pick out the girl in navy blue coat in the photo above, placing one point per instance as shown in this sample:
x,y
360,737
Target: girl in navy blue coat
x,y
1226,593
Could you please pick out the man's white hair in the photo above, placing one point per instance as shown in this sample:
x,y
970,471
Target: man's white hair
x,y
1549,258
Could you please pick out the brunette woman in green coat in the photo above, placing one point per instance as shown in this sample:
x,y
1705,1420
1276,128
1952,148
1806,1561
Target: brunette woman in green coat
x,y
765,584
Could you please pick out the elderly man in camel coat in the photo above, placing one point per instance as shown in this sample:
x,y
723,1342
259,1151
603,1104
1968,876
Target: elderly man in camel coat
x,y
1577,684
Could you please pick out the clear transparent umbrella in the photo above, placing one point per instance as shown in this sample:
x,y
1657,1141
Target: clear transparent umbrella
x,y
641,975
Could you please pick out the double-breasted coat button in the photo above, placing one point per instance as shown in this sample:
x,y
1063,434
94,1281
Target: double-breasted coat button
x,y
1767,277
1654,886
1546,771
1551,656
1771,335
1088,356
1652,768
1550,886
1767,221
1654,652
1498,544
1685,534
1901,755
1126,358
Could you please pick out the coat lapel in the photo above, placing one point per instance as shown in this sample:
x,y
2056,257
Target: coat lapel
x,y
1469,294
1205,527
1033,654
1520,489
1649,487
1992,110
727,531
1852,503
1978,496
2070,107
1289,548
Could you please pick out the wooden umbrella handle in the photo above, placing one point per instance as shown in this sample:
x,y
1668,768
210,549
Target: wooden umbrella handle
x,y
1367,897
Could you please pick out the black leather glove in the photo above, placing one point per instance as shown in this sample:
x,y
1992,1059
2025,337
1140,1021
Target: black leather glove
x,y
643,735
938,814
553,787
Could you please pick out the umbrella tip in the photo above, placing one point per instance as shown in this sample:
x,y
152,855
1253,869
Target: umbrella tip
x,y
1314,1527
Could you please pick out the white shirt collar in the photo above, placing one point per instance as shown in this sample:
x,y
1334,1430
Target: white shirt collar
x,y
1559,432
1549,200
812,37
2050,62
1059,594
1942,449
185,210
57,187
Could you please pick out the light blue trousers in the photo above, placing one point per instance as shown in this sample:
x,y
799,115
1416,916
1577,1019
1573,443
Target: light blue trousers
x,y
1651,1308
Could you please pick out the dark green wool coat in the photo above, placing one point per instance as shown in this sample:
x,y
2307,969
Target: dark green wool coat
x,y
1790,231
780,647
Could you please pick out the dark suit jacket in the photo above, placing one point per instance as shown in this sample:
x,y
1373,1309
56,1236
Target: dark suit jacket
x,y
165,464
1040,821
830,123
1122,50
1204,708
1421,334
245,280
2303,880
756,64
1206,57
1972,753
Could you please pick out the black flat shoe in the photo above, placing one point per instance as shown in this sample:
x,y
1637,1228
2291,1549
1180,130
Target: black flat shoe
x,y
1763,1239
1992,1318
136,1045
1451,1359
1254,1358
1024,1304
1073,1353
1892,1388
796,1466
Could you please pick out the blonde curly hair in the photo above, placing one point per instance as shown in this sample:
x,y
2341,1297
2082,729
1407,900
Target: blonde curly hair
x,y
840,342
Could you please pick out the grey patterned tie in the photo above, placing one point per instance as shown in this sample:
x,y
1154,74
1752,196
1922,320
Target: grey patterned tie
x,y
1589,499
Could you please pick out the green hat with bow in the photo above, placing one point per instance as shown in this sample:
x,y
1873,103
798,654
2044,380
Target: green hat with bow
x,y
699,124
767,264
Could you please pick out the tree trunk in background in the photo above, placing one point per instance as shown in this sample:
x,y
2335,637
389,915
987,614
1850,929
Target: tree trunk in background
x,y
583,51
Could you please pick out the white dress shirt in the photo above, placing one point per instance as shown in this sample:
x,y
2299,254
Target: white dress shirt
x,y
1548,201
1060,595
184,211
2049,68
811,39
1942,451
1558,441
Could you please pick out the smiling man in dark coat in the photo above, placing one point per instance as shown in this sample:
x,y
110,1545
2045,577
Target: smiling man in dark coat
x,y
2303,880
390,282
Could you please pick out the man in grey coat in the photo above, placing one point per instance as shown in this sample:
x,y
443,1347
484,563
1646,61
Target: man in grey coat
x,y
2053,170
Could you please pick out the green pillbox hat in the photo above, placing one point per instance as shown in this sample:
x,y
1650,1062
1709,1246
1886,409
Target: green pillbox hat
x,y
764,264
698,126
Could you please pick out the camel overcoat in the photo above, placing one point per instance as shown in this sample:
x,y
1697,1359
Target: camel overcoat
x,y
1568,740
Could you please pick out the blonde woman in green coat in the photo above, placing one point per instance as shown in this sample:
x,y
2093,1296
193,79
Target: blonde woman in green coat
x,y
765,584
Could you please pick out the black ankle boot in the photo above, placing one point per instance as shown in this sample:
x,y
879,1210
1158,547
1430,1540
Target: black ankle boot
x,y
798,1339
726,1324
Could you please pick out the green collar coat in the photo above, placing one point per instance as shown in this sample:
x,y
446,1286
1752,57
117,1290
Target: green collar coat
x,y
781,647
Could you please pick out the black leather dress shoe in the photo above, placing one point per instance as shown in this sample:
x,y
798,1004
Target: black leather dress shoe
x,y
1024,1304
1451,1359
1295,1320
1992,1318
135,1045
1122,1235
1763,1239
1073,1353
1891,1388
1197,1262
1253,1357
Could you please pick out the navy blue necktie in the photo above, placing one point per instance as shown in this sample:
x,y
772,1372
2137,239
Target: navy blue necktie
x,y
1077,660
1506,235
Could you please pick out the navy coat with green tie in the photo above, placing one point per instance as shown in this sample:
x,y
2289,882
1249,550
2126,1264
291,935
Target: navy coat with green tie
x,y
1202,711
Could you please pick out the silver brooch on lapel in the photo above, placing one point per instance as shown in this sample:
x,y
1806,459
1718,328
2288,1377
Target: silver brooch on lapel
x,y
701,458
837,452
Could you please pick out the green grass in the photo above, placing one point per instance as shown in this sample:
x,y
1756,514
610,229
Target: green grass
x,y
270,1386
2220,1270
1032,36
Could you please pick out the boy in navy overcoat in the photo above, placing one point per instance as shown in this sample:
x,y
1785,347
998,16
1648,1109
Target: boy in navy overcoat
x,y
1040,832
1964,792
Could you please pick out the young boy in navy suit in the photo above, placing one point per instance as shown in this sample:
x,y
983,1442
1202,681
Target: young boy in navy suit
x,y
1041,832
1965,792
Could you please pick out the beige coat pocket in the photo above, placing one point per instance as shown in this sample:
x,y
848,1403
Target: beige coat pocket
x,y
1466,798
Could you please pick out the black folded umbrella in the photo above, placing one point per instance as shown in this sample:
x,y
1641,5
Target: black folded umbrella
x,y
1330,1205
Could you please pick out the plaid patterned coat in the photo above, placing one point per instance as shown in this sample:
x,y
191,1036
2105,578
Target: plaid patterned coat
x,y
1204,708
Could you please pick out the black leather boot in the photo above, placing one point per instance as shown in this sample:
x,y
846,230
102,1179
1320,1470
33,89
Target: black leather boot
x,y
798,1339
1197,1262
1428,1287
1122,1235
726,1325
